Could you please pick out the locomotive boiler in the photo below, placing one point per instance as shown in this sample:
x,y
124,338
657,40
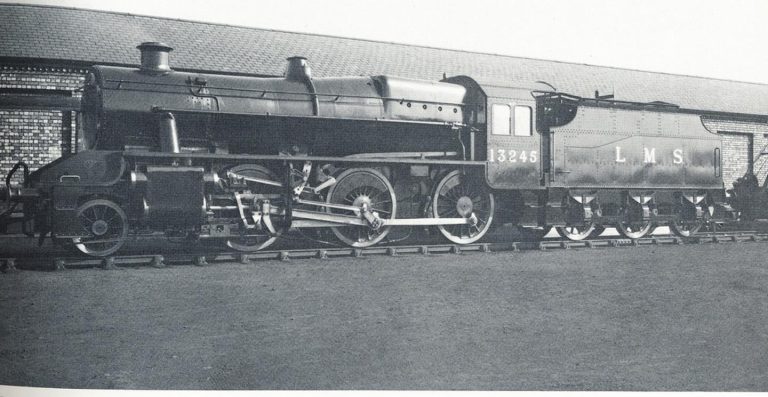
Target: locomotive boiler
x,y
245,159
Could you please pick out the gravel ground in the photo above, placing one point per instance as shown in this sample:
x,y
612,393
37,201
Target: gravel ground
x,y
642,318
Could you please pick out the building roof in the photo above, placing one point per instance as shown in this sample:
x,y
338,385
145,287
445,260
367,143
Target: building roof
x,y
95,37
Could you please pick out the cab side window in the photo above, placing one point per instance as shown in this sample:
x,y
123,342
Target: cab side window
x,y
500,119
523,126
509,119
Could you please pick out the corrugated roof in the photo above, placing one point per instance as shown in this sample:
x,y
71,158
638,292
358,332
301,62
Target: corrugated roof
x,y
56,33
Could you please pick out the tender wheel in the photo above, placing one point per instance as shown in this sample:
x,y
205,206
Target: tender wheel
x,y
533,234
635,230
255,240
358,186
577,233
460,196
685,228
599,229
105,223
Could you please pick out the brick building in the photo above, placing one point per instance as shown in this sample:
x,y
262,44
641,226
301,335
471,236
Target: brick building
x,y
45,52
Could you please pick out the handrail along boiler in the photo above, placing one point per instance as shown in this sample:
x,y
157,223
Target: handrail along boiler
x,y
245,159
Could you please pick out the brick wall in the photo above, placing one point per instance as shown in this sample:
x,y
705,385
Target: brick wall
x,y
735,155
734,160
35,136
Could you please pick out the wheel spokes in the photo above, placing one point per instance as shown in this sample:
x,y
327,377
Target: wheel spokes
x,y
102,238
457,197
358,188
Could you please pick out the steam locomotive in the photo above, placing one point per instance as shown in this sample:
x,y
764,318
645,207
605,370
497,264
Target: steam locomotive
x,y
244,159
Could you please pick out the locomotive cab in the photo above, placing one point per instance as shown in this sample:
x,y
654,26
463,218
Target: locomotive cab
x,y
514,148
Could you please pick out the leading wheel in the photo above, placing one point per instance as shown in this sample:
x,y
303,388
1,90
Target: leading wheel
x,y
577,233
685,228
255,239
460,196
357,187
105,224
635,230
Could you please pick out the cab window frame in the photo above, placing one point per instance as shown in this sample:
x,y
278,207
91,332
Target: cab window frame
x,y
519,128
496,120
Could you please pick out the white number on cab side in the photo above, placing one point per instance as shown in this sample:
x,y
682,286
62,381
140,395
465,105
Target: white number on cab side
x,y
512,156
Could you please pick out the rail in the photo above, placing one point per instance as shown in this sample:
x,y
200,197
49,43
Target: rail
x,y
11,264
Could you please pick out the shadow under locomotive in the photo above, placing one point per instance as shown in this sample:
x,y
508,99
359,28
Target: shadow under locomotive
x,y
243,160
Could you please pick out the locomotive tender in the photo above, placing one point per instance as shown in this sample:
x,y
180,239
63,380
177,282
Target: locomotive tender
x,y
244,159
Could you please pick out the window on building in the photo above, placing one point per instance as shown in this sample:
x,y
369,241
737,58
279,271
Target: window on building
x,y
523,125
500,119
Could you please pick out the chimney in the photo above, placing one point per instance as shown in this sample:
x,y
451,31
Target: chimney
x,y
154,57
298,69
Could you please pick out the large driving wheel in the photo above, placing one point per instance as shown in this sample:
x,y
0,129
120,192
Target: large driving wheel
x,y
357,187
461,196
105,224
577,233
255,239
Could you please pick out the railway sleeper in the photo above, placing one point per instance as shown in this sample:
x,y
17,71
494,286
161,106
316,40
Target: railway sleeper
x,y
323,253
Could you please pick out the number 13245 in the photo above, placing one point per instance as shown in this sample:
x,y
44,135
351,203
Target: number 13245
x,y
512,156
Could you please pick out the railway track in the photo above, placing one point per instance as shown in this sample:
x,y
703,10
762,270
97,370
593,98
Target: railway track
x,y
58,262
